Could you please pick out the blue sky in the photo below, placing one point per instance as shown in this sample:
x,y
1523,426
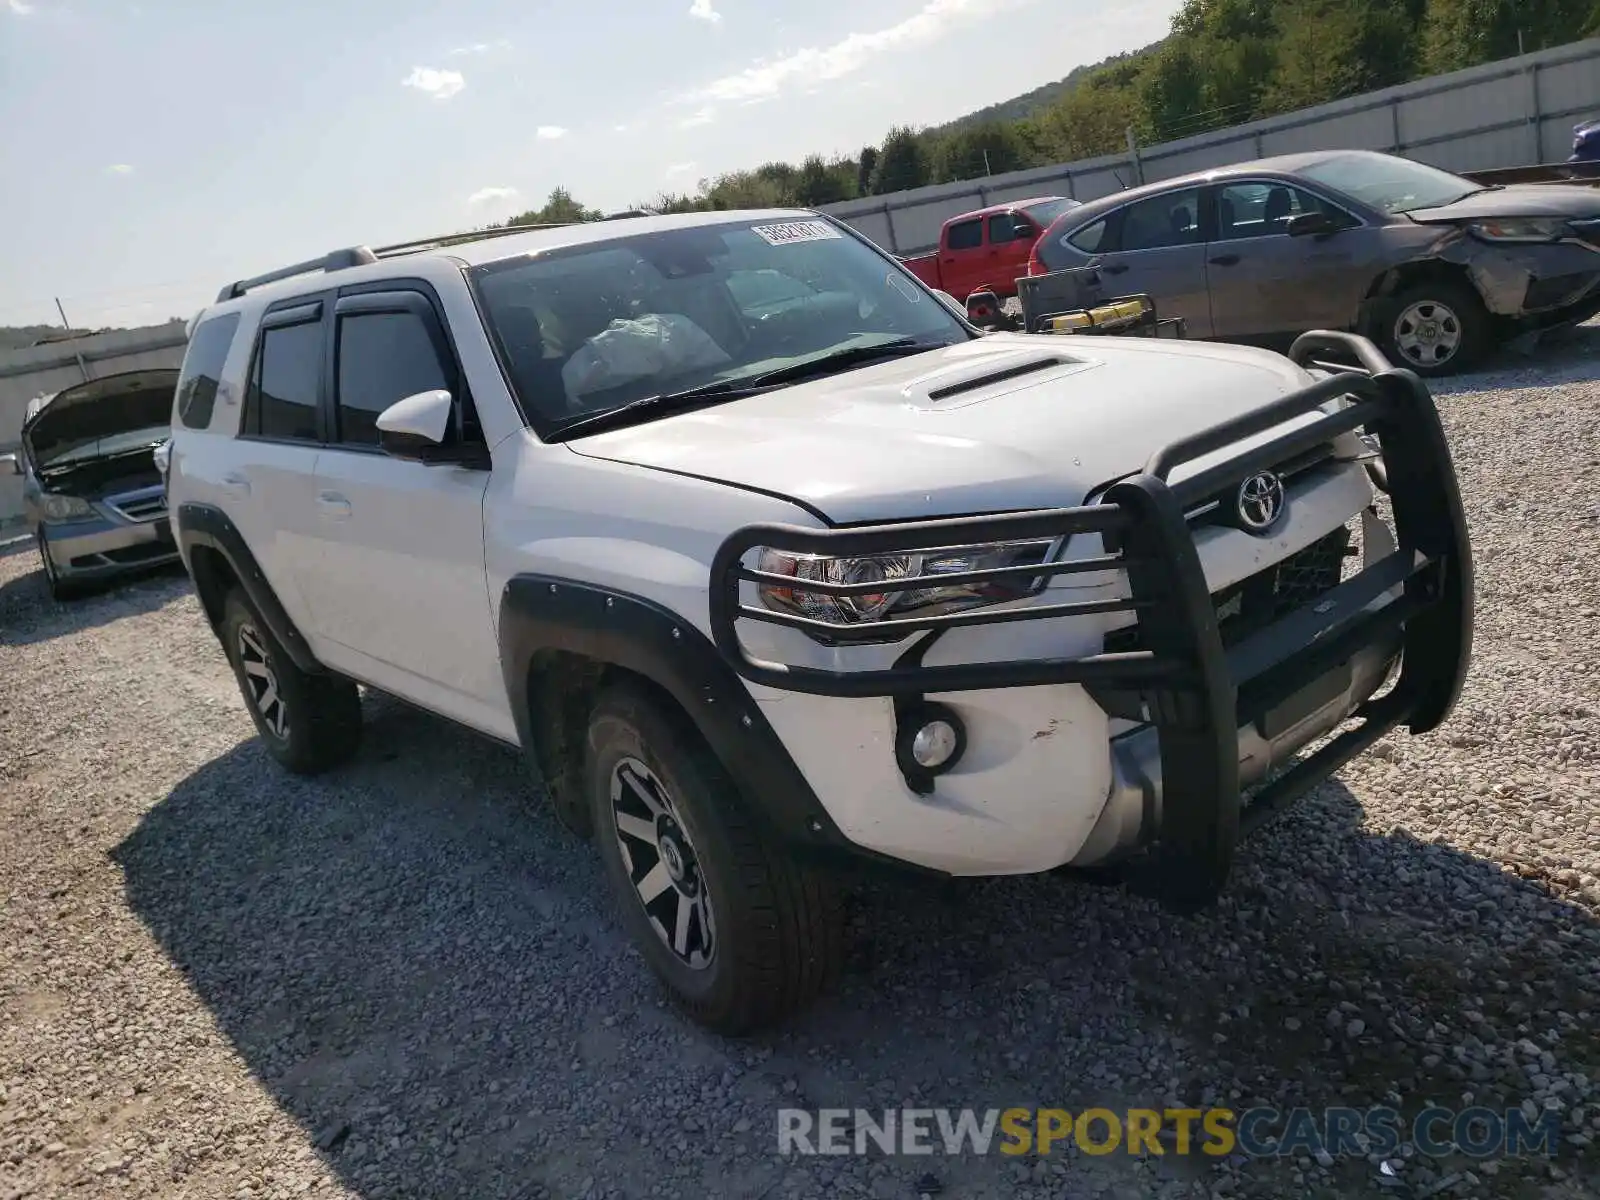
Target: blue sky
x,y
155,150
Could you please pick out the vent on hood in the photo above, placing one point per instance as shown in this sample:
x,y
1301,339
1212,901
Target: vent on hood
x,y
974,382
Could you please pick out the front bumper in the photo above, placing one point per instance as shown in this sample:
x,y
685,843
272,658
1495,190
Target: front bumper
x,y
1537,286
1185,767
109,543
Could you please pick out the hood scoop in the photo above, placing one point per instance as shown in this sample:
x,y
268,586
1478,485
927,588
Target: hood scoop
x,y
964,381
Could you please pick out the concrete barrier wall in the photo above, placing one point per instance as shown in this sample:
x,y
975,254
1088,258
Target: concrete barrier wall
x,y
1503,114
42,370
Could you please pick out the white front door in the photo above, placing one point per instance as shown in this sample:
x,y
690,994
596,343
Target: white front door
x,y
398,588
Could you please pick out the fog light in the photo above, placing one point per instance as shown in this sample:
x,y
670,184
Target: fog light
x,y
929,740
933,744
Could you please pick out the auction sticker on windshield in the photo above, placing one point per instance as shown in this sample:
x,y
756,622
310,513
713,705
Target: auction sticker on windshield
x,y
795,231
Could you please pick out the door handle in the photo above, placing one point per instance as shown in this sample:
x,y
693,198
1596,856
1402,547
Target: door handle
x,y
236,483
332,504
1224,260
1114,269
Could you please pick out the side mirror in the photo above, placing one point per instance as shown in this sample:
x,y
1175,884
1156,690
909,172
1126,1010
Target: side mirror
x,y
1308,224
1025,232
418,427
10,464
983,309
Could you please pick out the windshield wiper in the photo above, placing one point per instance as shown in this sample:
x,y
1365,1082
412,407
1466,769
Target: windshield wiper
x,y
837,360
735,389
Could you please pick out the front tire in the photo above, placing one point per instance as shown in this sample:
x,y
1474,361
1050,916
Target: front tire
x,y
1436,328
309,723
60,590
742,935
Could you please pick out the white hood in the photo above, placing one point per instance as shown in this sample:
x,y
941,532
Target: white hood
x,y
894,441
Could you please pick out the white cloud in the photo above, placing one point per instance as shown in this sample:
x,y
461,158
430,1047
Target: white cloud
x,y
119,169
441,85
701,10
703,116
766,79
683,168
21,9
549,133
619,129
485,195
482,47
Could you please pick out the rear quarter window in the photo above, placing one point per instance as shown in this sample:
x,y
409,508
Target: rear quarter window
x,y
965,235
1061,248
202,369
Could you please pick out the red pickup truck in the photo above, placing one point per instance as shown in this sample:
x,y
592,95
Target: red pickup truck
x,y
987,250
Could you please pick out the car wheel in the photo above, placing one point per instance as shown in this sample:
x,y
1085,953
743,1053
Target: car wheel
x,y
60,589
741,934
1437,328
309,723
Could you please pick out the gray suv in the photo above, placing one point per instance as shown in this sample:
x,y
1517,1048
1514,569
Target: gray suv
x,y
93,492
1434,267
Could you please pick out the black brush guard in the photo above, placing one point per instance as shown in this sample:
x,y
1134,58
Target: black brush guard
x,y
1196,692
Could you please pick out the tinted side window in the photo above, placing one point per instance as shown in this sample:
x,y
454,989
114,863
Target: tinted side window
x,y
287,381
1172,219
1246,210
1002,229
383,357
202,369
968,235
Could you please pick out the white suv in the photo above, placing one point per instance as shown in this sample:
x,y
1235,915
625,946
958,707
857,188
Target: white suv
x,y
770,561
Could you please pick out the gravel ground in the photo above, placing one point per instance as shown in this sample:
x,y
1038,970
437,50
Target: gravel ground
x,y
403,980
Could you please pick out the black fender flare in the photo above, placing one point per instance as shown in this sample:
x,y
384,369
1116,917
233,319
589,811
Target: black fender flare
x,y
208,526
540,614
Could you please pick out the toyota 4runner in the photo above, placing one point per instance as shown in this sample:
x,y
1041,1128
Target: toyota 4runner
x,y
768,559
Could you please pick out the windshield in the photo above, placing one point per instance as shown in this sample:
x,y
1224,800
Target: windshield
x,y
101,447
586,330
1047,212
1391,185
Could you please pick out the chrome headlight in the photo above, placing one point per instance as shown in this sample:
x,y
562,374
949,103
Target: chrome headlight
x,y
65,508
1519,229
910,581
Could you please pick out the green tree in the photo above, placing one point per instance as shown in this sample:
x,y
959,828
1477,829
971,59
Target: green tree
x,y
1171,89
820,182
559,209
902,163
971,153
865,166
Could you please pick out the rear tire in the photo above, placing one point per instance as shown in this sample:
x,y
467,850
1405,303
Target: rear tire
x,y
1436,328
309,723
742,935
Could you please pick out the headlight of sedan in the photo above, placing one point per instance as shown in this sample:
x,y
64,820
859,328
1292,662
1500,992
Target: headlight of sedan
x,y
65,508
909,581
1519,229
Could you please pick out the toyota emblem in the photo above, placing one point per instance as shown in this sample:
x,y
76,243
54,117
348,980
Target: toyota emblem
x,y
1260,502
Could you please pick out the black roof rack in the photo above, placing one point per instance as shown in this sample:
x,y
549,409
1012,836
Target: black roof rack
x,y
361,256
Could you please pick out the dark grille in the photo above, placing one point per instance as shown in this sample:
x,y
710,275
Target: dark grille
x,y
1267,596
141,508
